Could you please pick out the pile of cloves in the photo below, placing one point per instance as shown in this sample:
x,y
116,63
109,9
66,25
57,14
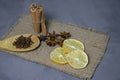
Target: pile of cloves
x,y
23,42
53,39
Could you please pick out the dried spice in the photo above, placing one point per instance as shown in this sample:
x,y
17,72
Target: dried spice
x,y
38,19
43,38
23,42
65,35
52,36
50,42
53,39
59,41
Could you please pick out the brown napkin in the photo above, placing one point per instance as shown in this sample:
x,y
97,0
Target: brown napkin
x,y
95,44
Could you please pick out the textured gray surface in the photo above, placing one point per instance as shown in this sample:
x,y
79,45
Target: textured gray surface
x,y
99,14
95,43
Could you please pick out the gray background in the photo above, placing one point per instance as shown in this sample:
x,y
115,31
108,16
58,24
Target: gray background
x,y
103,15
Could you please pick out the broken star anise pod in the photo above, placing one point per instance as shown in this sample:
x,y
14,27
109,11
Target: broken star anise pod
x,y
59,41
65,35
52,36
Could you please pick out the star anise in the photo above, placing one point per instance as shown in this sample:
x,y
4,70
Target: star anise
x,y
50,42
59,41
52,36
65,35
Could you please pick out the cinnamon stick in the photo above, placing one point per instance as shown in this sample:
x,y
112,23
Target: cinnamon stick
x,y
38,18
43,26
33,8
44,29
33,11
39,13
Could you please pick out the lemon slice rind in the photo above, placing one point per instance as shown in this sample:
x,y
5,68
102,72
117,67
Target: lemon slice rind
x,y
57,56
72,44
77,59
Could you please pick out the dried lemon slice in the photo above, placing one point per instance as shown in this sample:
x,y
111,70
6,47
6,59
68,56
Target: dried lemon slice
x,y
57,56
77,59
72,44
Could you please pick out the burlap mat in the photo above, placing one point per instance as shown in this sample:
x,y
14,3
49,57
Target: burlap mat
x,y
95,44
